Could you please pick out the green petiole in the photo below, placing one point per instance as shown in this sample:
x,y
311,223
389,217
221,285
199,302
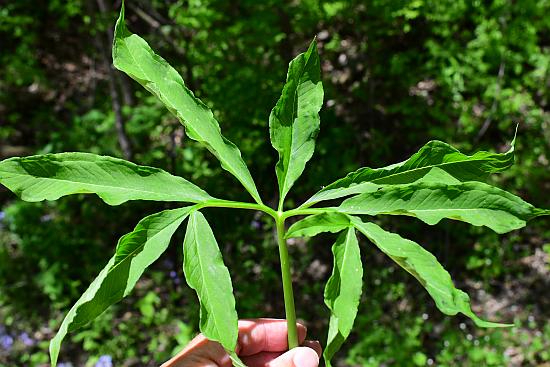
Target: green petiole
x,y
279,217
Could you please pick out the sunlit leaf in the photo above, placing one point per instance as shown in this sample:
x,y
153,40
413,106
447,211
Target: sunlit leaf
x,y
343,291
51,176
473,202
133,56
435,154
135,252
425,268
206,273
294,121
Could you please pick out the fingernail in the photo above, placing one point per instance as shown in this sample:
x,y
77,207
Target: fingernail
x,y
306,357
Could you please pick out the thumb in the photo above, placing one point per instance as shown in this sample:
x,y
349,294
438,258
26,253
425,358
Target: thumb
x,y
297,357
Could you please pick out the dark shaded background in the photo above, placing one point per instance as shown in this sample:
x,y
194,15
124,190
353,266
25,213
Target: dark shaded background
x,y
396,74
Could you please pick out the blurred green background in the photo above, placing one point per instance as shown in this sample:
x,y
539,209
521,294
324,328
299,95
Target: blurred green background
x,y
396,74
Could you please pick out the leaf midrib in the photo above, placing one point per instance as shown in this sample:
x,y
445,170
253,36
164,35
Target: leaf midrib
x,y
427,281
293,117
372,237
91,184
204,284
219,156
140,247
442,209
429,166
349,232
410,171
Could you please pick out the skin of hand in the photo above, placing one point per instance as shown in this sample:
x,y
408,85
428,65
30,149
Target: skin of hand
x,y
261,343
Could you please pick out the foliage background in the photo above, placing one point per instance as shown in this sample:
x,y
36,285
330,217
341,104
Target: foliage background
x,y
396,74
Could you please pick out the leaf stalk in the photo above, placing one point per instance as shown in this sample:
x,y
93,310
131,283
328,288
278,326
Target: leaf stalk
x,y
280,216
287,282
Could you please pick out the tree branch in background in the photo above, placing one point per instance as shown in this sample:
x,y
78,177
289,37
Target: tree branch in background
x,y
499,81
489,118
104,49
156,24
126,89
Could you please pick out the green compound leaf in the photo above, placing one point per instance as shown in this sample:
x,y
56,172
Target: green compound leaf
x,y
206,273
473,202
133,56
294,121
425,268
135,252
435,154
315,224
343,291
51,176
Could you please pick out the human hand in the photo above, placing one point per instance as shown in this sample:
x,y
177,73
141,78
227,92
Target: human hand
x,y
261,343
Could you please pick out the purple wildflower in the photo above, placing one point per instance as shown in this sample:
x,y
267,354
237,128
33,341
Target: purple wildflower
x,y
174,275
63,364
104,361
175,278
168,264
6,342
2,215
26,339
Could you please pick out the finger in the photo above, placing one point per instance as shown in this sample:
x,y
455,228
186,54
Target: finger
x,y
297,357
265,335
200,352
315,345
261,359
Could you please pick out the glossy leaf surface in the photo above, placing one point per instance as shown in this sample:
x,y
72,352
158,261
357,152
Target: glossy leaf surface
x,y
343,291
294,121
51,176
425,268
435,154
133,56
473,202
135,252
206,273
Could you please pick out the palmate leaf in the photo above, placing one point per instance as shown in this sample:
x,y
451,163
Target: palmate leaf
x,y
435,154
206,273
51,176
135,252
343,291
133,56
411,257
473,202
294,121
425,268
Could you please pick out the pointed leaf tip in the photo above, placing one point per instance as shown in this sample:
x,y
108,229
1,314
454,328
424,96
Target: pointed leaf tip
x,y
313,44
451,164
133,56
115,181
472,202
294,121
